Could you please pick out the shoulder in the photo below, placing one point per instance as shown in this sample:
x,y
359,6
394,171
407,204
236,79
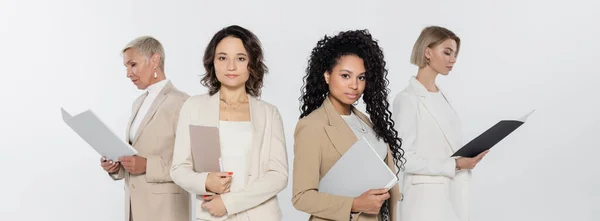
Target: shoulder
x,y
314,122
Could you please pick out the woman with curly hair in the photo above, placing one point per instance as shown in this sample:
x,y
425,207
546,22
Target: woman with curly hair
x,y
341,70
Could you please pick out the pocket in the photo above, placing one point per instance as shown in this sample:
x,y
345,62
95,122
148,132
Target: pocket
x,y
161,188
424,179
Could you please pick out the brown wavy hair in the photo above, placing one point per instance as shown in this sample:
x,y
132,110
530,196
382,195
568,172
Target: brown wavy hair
x,y
256,65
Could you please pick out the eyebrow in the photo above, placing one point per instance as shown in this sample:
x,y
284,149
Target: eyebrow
x,y
223,53
346,70
449,48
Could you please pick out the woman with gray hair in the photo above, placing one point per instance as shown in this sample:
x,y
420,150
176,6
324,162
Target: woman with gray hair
x,y
150,195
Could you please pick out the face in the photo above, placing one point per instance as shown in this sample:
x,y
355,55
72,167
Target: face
x,y
347,80
231,63
442,57
139,69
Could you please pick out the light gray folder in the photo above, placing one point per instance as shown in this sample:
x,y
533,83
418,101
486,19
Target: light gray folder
x,y
206,148
358,170
89,127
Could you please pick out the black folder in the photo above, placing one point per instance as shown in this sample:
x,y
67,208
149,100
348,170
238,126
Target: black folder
x,y
490,137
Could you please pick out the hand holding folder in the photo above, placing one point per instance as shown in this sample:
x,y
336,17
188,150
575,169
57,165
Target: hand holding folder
x,y
490,137
206,156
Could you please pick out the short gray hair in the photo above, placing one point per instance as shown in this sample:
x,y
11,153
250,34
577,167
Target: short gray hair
x,y
430,37
148,46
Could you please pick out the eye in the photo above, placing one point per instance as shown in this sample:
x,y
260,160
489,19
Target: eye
x,y
133,65
447,53
346,76
221,58
241,59
362,78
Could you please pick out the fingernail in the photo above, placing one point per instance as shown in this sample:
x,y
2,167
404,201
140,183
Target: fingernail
x,y
230,173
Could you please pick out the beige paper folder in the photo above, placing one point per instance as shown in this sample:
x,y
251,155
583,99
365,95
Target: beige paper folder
x,y
206,148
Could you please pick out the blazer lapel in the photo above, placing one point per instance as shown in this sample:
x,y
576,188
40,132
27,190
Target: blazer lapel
x,y
136,108
258,120
338,131
153,108
443,124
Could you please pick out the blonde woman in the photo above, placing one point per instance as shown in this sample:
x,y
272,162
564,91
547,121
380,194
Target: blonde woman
x,y
151,195
435,185
252,142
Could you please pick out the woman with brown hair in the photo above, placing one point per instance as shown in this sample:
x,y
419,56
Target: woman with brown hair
x,y
252,143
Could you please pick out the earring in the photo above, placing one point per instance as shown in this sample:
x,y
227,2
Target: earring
x,y
155,75
427,60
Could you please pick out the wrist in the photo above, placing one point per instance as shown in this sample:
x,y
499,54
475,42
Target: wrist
x,y
354,208
457,167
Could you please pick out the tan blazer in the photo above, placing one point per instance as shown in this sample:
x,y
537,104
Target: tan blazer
x,y
320,140
267,164
153,196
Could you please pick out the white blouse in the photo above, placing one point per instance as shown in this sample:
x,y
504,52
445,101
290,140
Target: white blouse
x,y
361,129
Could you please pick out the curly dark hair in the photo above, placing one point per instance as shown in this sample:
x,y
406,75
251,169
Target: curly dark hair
x,y
325,56
256,65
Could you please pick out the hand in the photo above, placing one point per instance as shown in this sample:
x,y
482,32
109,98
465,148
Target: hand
x,y
218,182
110,166
134,164
370,202
468,162
214,205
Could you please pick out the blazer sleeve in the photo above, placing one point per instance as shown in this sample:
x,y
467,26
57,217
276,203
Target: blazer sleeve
x,y
307,163
272,182
182,171
406,118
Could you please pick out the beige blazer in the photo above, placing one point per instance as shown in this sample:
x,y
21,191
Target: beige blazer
x,y
432,188
267,168
153,196
320,140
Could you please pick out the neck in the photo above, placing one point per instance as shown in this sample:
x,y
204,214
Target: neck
x,y
233,95
426,76
340,107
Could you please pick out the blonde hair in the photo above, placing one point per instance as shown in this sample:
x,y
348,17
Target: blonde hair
x,y
148,46
430,37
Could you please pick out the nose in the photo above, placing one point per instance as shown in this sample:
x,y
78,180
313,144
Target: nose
x,y
231,65
129,73
353,84
453,59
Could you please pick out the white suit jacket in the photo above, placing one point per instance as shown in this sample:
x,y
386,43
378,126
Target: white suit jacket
x,y
432,189
267,165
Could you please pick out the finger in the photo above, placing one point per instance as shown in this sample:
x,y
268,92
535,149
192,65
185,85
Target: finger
x,y
226,180
102,159
383,197
205,205
113,167
209,197
224,174
378,191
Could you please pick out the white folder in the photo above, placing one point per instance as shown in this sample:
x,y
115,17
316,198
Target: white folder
x,y
358,170
89,127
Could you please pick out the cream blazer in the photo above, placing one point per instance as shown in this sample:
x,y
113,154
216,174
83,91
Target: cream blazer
x,y
320,139
432,189
267,168
153,196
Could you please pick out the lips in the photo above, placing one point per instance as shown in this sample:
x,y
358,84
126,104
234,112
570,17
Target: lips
x,y
351,96
231,75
